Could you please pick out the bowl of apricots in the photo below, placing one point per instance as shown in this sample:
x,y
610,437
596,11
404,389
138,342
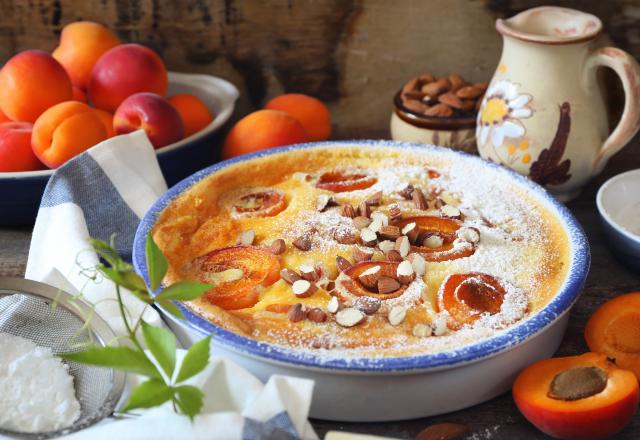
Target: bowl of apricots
x,y
92,86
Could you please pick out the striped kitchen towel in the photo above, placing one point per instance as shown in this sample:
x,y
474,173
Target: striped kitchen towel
x,y
106,191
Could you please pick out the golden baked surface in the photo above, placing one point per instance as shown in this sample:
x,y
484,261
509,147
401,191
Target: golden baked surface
x,y
441,252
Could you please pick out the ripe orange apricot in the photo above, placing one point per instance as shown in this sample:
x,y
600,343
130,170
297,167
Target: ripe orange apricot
x,y
583,397
261,130
31,82
311,112
3,118
194,114
78,94
65,130
267,203
446,229
15,148
341,181
614,330
107,120
81,44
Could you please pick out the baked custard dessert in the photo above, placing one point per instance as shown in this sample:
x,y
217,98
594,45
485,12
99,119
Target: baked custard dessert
x,y
356,251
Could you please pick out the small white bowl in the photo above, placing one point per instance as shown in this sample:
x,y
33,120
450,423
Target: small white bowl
x,y
615,196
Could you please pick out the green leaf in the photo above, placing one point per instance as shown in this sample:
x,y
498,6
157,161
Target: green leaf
x,y
184,291
105,251
153,392
162,344
170,308
127,279
121,358
189,400
156,263
195,360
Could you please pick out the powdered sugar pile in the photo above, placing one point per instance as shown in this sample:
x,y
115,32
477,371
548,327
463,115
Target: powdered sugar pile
x,y
36,389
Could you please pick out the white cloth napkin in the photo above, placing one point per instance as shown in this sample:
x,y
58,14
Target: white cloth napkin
x,y
107,190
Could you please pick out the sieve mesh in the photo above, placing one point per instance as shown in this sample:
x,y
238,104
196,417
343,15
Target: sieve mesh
x,y
27,312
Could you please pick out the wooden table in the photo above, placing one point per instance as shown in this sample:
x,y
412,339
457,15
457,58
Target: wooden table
x,y
498,418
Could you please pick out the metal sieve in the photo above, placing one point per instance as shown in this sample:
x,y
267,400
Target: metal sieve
x,y
26,310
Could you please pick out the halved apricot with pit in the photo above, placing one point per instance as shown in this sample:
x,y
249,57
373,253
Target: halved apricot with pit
x,y
446,229
614,330
349,282
467,296
583,397
265,203
341,181
238,273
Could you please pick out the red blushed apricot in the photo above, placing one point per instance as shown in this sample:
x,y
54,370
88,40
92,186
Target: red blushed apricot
x,y
78,94
265,203
258,267
262,130
82,43
64,131
3,118
107,121
311,112
124,71
341,181
614,330
583,397
152,113
446,229
194,114
15,148
31,82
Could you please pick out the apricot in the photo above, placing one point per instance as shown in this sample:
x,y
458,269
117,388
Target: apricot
x,y
194,114
265,203
15,148
31,82
152,113
583,397
123,71
261,130
64,131
467,296
78,94
3,118
107,120
354,286
341,181
311,112
81,44
614,330
446,229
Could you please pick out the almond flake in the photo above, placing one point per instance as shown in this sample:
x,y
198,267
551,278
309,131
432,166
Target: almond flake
x,y
439,325
405,272
347,210
419,199
389,232
344,236
363,209
469,234
289,276
333,305
368,237
297,313
360,254
433,241
369,278
303,242
227,276
376,225
421,331
308,273
418,263
450,211
403,246
303,288
350,317
361,222
411,230
316,315
397,315
374,199
246,237
394,255
323,202
394,212
384,219
386,246
368,304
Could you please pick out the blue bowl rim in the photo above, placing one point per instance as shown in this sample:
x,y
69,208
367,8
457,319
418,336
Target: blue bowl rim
x,y
502,341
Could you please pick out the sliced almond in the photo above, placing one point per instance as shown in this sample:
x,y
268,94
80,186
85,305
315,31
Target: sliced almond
x,y
418,263
303,242
397,315
342,263
347,210
289,276
227,276
329,286
317,315
469,234
407,192
389,232
394,212
384,219
297,313
405,272
421,331
324,201
368,237
376,225
308,273
277,246
368,304
246,237
362,254
387,285
439,325
450,211
433,241
333,305
419,200
394,255
344,236
386,246
363,209
303,288
403,246
369,278
350,317
375,199
361,222
411,230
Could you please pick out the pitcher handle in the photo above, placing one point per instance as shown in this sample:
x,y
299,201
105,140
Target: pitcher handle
x,y
626,67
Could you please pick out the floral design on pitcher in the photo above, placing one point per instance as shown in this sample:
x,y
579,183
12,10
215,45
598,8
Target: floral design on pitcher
x,y
499,118
547,169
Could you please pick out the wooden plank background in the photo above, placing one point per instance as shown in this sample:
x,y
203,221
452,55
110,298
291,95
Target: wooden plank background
x,y
353,54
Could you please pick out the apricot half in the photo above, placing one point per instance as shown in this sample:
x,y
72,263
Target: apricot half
x,y
583,397
446,228
467,296
238,273
265,203
341,181
349,283
614,330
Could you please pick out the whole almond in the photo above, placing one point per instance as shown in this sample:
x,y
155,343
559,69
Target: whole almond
x,y
394,255
368,304
389,232
369,278
419,200
333,305
456,81
308,273
344,236
482,86
303,242
450,99
361,222
426,78
316,315
363,209
411,95
246,237
303,288
277,246
412,85
297,313
387,285
350,317
347,210
289,276
342,263
444,431
396,315
361,254
440,110
415,106
469,92
433,89
468,104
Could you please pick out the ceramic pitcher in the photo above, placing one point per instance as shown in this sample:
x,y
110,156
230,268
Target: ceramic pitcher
x,y
543,114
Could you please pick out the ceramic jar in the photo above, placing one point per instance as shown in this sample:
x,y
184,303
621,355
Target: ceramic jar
x,y
543,114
